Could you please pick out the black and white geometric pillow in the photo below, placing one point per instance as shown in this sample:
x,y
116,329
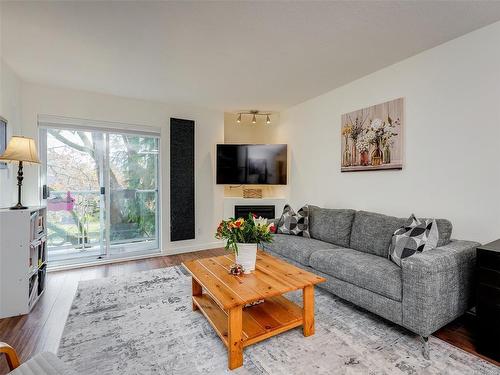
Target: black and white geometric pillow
x,y
286,211
296,224
415,236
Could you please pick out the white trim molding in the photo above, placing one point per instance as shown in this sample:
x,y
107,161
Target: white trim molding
x,y
192,248
61,122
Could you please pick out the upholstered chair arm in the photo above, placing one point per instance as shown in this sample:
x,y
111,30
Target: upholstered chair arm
x,y
438,286
10,354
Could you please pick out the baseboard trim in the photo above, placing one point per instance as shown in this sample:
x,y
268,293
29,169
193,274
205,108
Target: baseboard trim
x,y
192,248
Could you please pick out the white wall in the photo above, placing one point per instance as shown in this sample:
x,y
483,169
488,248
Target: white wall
x,y
38,99
246,132
1,53
452,139
10,109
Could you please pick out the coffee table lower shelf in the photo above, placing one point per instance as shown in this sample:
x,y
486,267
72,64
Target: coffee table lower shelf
x,y
272,317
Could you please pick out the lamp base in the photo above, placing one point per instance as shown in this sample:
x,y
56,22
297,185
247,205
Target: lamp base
x,y
18,206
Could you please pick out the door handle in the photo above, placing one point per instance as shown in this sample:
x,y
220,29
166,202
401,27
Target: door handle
x,y
45,192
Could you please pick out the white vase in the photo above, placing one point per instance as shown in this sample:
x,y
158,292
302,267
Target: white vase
x,y
246,256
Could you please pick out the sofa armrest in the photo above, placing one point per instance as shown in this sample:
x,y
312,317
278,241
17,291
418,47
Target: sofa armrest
x,y
438,286
10,354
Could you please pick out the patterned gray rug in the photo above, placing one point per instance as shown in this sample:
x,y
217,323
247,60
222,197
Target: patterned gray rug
x,y
142,323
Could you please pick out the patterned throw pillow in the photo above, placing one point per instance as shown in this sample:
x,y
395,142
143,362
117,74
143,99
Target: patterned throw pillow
x,y
415,236
296,224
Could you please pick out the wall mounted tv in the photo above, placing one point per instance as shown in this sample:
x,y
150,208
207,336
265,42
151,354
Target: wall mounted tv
x,y
252,164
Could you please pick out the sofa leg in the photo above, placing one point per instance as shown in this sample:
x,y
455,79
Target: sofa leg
x,y
425,347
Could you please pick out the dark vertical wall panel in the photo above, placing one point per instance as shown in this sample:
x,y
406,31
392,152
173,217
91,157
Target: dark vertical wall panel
x,y
182,220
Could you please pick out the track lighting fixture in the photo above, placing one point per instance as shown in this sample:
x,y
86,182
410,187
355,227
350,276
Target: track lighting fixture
x,y
254,114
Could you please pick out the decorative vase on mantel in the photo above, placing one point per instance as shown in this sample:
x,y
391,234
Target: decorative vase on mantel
x,y
246,256
376,155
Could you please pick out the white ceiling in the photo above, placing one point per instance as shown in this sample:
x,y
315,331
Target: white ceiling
x,y
224,55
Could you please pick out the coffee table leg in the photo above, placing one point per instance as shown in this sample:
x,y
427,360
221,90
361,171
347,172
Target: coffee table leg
x,y
197,291
234,330
308,310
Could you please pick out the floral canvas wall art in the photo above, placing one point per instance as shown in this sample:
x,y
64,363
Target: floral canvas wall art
x,y
372,138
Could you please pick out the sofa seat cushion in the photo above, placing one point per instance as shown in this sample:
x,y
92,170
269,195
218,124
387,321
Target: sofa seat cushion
x,y
296,248
368,271
331,225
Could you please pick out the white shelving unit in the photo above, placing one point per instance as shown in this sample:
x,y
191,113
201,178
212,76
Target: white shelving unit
x,y
23,259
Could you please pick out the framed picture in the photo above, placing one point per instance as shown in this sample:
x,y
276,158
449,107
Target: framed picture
x,y
3,139
372,138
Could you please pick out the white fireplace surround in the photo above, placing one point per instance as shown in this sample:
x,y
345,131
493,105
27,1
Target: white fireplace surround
x,y
230,202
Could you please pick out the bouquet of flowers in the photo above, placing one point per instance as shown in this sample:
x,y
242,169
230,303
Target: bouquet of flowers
x,y
363,142
356,128
346,130
251,230
389,132
380,132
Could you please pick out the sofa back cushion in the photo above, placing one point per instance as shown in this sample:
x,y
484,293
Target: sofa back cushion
x,y
331,225
372,232
444,228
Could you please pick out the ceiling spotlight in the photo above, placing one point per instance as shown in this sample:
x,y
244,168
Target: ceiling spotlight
x,y
255,113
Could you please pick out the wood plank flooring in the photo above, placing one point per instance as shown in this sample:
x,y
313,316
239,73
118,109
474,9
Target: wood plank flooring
x,y
462,333
41,330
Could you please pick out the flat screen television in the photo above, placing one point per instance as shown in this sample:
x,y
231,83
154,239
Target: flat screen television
x,y
252,164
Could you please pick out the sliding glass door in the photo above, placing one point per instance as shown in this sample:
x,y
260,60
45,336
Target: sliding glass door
x,y
133,203
102,194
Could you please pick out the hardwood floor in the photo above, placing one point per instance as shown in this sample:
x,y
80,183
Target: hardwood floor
x,y
461,333
41,330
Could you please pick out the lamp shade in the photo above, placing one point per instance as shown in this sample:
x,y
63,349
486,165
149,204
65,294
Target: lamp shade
x,y
20,149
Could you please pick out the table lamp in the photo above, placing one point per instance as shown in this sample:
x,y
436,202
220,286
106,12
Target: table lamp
x,y
22,150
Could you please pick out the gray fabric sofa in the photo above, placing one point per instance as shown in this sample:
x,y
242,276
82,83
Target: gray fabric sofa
x,y
350,249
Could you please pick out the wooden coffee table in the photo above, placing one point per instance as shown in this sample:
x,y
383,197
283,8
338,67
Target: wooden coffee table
x,y
222,297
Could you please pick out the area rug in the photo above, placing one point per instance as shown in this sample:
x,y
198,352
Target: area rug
x,y
142,323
